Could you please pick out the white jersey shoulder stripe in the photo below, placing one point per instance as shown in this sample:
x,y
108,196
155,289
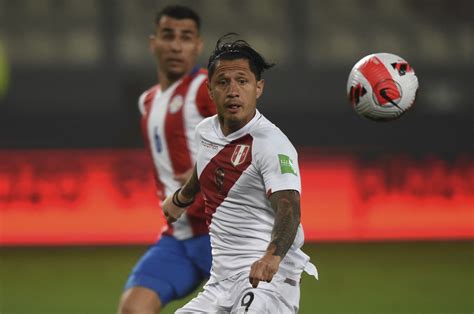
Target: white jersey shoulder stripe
x,y
191,95
142,98
141,102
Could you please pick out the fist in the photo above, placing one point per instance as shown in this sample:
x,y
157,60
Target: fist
x,y
264,269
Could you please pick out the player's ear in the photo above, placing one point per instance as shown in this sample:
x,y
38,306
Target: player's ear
x,y
200,45
209,90
260,85
151,43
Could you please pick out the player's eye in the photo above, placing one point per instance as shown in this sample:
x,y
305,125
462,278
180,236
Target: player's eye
x,y
187,38
167,36
242,81
222,82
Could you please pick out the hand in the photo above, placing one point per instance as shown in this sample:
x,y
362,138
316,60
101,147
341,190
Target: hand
x,y
264,269
183,177
171,211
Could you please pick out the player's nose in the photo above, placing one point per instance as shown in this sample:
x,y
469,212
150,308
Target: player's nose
x,y
233,90
176,45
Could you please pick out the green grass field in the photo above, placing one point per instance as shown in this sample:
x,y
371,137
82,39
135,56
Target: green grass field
x,y
409,277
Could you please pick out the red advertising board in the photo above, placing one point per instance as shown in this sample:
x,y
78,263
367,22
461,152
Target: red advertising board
x,y
62,197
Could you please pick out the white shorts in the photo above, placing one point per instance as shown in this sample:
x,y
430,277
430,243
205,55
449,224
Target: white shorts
x,y
236,295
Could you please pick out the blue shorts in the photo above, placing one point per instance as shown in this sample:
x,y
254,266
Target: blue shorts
x,y
173,268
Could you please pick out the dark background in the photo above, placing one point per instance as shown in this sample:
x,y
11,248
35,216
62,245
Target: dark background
x,y
78,67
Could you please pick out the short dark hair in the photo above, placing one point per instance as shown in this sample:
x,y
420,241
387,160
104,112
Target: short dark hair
x,y
238,49
179,12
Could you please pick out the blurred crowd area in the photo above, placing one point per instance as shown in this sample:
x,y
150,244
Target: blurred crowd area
x,y
77,67
319,33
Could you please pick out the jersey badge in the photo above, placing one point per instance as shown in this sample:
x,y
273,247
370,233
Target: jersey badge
x,y
240,154
176,103
286,164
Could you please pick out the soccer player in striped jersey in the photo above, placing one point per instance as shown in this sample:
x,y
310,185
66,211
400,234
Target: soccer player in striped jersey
x,y
181,258
247,171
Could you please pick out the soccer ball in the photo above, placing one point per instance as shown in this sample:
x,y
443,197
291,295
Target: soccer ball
x,y
382,86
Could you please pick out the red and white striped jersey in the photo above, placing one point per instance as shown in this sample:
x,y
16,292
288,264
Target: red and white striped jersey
x,y
169,120
237,173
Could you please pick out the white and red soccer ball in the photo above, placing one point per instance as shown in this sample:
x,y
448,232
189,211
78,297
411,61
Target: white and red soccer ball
x,y
382,86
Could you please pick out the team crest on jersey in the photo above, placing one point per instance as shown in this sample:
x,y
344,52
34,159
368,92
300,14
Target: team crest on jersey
x,y
240,154
176,103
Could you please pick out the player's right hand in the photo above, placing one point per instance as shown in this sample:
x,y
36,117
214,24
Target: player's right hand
x,y
264,269
171,211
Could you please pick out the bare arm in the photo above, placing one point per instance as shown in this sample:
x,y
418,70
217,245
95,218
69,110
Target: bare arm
x,y
190,188
286,205
183,177
174,205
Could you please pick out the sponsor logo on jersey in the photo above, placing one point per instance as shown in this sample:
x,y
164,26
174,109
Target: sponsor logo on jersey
x,y
176,103
239,155
286,164
209,145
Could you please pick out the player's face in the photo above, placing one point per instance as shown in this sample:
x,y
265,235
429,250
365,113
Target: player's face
x,y
235,90
176,45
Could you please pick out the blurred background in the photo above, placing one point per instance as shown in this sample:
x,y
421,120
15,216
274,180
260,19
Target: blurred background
x,y
388,208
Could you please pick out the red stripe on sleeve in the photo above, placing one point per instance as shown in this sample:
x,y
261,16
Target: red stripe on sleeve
x,y
204,103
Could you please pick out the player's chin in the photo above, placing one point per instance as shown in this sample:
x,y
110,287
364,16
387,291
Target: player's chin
x,y
176,72
234,117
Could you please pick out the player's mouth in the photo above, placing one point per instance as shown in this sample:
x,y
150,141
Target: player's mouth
x,y
233,108
174,61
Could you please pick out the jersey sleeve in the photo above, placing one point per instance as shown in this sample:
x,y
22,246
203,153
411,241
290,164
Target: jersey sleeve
x,y
146,98
277,160
204,103
201,128
141,103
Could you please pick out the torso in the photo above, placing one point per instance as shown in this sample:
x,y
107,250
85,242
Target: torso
x,y
237,173
169,119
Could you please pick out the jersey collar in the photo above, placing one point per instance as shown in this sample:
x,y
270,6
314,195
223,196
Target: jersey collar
x,y
239,133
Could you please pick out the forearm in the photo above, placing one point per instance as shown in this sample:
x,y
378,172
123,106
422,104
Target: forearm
x,y
174,205
286,205
190,188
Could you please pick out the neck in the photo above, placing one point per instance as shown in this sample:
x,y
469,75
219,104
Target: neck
x,y
231,126
166,80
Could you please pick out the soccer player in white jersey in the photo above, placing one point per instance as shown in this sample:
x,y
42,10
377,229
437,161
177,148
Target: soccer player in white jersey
x,y
181,258
247,171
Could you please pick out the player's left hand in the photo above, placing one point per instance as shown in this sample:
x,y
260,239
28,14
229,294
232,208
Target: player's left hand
x,y
264,269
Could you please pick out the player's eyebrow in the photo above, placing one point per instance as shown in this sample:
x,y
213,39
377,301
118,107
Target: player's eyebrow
x,y
188,32
244,73
167,30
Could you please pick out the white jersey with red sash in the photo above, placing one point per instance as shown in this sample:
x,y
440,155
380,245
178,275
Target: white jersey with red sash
x,y
237,174
169,119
